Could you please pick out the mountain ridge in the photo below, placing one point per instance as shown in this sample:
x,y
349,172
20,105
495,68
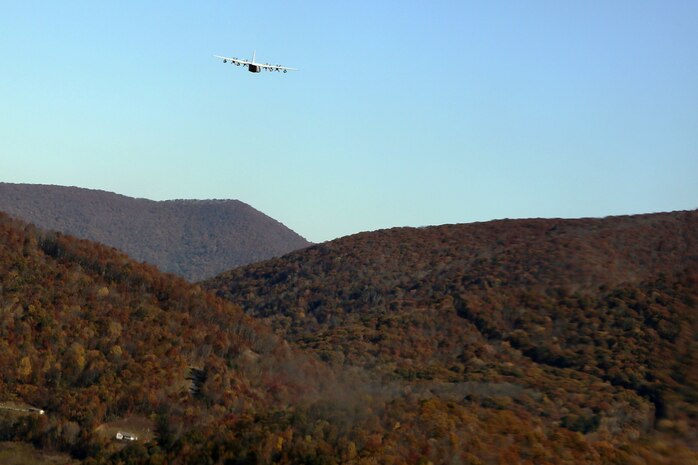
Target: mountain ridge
x,y
192,238
613,300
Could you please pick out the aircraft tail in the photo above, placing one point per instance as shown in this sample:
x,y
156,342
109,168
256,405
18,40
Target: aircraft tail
x,y
253,55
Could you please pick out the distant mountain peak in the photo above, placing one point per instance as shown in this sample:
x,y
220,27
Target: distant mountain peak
x,y
192,238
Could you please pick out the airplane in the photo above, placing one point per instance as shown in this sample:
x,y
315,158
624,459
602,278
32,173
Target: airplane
x,y
254,67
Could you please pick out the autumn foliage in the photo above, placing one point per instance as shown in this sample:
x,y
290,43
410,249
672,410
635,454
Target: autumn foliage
x,y
586,325
532,342
194,239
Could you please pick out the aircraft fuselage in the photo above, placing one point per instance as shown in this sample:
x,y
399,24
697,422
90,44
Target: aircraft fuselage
x,y
254,69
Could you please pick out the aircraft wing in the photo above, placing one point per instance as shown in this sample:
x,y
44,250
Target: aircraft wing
x,y
235,61
269,67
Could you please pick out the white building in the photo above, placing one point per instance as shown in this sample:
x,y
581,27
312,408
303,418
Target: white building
x,y
121,436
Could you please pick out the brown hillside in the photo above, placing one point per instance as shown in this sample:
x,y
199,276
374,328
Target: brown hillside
x,y
94,338
430,374
551,306
194,239
577,255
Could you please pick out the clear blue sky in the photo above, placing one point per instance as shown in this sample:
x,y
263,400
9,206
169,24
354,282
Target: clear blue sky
x,y
402,113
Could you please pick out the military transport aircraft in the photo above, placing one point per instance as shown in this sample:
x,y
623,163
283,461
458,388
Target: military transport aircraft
x,y
254,67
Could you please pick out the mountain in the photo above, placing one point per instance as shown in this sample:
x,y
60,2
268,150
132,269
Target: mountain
x,y
194,239
378,356
92,342
590,325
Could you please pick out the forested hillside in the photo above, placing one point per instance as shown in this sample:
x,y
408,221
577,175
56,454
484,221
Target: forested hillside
x,y
92,338
194,239
383,353
590,324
